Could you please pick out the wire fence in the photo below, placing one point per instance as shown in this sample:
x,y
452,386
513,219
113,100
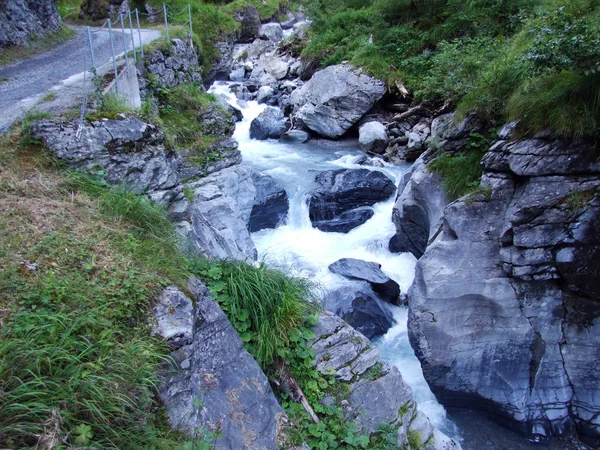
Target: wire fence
x,y
129,45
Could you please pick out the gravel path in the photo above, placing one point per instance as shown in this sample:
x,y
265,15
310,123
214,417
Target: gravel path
x,y
24,83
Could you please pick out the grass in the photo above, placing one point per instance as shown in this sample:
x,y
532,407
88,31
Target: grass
x,y
460,173
80,266
37,45
50,96
267,9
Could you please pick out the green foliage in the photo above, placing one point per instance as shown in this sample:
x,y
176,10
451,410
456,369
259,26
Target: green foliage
x,y
414,440
267,9
579,200
384,438
502,59
461,172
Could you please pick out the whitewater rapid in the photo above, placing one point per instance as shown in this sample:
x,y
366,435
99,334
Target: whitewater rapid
x,y
306,251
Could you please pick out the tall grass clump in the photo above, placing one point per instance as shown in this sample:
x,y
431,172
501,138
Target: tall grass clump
x,y
265,305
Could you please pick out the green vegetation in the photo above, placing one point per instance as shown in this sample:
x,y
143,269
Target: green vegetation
x,y
414,440
50,96
267,9
80,267
461,172
537,61
37,45
579,200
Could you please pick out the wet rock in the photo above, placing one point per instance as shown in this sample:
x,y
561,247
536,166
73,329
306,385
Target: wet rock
x,y
238,74
20,21
335,99
271,204
418,209
362,310
264,94
295,136
271,31
270,124
344,190
370,272
217,376
373,137
344,222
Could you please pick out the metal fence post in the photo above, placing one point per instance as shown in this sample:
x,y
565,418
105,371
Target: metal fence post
x,y
132,40
89,33
124,44
190,15
137,18
112,48
166,21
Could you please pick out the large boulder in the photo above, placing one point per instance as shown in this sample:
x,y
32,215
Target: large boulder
x,y
418,209
130,151
270,124
219,213
21,20
504,311
377,394
271,204
274,66
362,310
271,31
336,98
249,20
370,272
343,191
373,138
212,382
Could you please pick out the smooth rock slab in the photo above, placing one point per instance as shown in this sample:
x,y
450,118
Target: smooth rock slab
x,y
221,386
361,310
371,272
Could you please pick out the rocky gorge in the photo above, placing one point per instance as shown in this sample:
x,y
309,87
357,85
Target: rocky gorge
x,y
503,309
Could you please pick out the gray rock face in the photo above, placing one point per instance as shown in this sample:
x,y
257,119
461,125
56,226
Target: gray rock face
x,y
344,190
451,134
171,69
174,316
271,31
373,138
249,20
377,393
270,124
370,272
220,212
274,66
264,94
21,20
418,209
271,204
336,98
216,384
130,151
362,310
504,311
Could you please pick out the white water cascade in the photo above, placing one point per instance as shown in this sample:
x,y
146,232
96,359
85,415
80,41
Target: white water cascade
x,y
308,252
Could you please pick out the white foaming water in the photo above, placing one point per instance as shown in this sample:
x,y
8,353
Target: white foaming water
x,y
308,252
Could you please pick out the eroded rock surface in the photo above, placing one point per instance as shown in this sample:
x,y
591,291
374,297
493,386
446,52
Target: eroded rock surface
x,y
370,272
504,310
377,393
214,383
21,20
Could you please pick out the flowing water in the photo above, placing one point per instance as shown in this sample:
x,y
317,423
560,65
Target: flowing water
x,y
308,252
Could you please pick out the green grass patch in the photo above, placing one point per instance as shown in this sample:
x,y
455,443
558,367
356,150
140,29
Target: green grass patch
x,y
461,172
579,200
50,96
37,45
267,9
